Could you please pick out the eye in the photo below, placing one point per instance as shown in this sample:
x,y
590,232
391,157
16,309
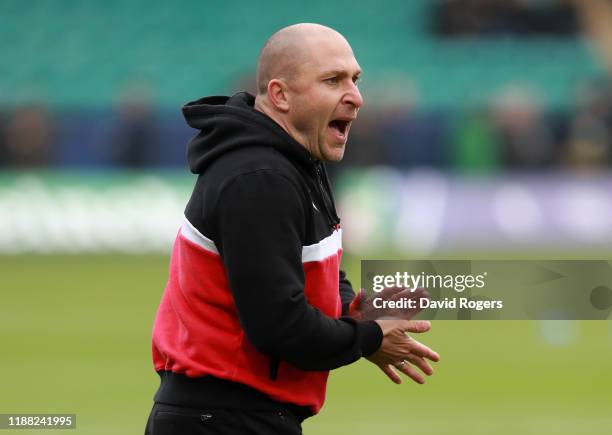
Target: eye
x,y
356,79
332,80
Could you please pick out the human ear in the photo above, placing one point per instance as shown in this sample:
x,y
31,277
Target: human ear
x,y
277,94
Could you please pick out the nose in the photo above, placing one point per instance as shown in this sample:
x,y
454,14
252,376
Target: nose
x,y
353,97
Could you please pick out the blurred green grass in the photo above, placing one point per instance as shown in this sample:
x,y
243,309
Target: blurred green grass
x,y
75,335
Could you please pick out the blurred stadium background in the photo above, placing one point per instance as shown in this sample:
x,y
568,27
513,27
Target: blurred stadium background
x,y
487,133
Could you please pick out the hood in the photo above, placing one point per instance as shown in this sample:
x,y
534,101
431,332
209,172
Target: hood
x,y
228,123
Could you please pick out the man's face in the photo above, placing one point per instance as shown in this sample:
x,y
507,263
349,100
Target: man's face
x,y
324,98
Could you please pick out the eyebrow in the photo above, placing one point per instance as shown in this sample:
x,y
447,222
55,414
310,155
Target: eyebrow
x,y
339,72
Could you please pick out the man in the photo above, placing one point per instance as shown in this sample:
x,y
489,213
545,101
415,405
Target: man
x,y
249,324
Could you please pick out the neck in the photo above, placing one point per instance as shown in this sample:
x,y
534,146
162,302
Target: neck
x,y
262,105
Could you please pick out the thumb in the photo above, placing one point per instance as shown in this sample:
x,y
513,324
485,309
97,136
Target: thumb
x,y
416,326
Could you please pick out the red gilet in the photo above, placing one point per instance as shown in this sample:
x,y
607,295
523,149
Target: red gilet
x,y
197,331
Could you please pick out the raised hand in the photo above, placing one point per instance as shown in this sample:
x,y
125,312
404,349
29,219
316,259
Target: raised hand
x,y
402,351
363,307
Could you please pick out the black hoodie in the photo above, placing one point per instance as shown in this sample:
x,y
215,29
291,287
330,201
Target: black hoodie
x,y
264,200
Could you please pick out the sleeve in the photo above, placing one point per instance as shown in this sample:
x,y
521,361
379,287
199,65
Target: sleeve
x,y
347,294
260,222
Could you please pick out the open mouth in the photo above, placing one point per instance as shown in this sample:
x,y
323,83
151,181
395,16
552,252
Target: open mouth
x,y
340,126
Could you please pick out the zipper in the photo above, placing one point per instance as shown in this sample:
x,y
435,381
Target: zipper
x,y
327,201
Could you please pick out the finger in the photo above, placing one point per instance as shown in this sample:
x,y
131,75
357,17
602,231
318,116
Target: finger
x,y
419,349
420,293
409,293
403,294
390,292
408,313
411,372
399,295
416,326
391,374
421,363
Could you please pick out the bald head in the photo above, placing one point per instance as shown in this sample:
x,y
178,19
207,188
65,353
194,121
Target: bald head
x,y
291,48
